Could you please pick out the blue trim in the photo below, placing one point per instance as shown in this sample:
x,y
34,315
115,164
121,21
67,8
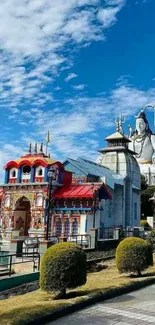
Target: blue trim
x,y
72,209
46,175
32,174
6,176
19,175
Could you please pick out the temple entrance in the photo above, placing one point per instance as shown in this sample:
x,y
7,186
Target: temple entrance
x,y
22,215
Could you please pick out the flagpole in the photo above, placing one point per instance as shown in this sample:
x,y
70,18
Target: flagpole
x,y
47,141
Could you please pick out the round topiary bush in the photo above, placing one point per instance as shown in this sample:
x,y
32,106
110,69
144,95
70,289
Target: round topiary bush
x,y
134,255
63,266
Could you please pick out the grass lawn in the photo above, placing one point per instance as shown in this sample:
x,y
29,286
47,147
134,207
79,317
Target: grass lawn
x,y
21,309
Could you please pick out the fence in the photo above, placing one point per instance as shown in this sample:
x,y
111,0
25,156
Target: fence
x,y
82,240
106,233
110,233
31,244
8,260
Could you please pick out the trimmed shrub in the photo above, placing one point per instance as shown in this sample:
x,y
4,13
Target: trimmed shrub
x,y
63,266
134,255
151,238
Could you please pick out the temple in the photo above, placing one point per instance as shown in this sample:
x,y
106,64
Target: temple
x,y
83,195
25,196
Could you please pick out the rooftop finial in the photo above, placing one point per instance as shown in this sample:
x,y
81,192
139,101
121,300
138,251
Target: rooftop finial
x,y
41,147
119,121
48,140
35,149
30,148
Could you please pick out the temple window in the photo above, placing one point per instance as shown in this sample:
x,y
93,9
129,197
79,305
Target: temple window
x,y
39,201
66,228
40,172
13,173
58,228
26,169
75,227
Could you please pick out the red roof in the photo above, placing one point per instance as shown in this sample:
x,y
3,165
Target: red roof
x,y
76,191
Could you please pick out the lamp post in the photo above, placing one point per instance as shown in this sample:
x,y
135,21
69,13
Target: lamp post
x,y
51,177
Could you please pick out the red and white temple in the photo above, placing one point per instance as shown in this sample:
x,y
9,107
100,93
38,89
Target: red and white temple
x,y
24,197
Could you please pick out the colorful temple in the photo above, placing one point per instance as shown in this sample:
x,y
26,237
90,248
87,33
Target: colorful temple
x,y
25,194
83,194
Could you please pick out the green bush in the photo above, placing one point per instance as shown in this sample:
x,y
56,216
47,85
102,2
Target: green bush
x,y
144,224
151,238
63,266
133,255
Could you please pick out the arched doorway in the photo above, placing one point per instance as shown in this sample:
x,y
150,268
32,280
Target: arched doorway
x,y
22,215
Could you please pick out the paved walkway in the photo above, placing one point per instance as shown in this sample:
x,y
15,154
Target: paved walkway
x,y
136,308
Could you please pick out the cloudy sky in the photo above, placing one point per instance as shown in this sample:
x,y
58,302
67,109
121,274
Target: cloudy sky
x,y
71,67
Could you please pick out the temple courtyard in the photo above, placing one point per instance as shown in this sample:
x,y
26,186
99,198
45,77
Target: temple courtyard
x,y
136,308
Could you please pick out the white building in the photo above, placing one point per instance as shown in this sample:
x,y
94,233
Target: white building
x,y
125,205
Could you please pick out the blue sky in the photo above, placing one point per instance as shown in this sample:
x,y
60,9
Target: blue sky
x,y
71,67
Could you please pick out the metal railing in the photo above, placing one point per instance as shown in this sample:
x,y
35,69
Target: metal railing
x,y
13,259
31,244
106,233
82,240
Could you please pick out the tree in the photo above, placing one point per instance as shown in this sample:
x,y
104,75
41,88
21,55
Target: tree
x,y
144,184
146,205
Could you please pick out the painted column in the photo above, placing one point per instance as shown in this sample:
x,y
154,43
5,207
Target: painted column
x,y
19,175
32,174
46,175
6,176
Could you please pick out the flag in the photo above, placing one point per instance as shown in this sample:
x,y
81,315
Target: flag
x,y
48,140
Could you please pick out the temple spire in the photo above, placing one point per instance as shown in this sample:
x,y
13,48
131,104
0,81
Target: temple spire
x,y
41,147
35,149
30,148
48,140
119,121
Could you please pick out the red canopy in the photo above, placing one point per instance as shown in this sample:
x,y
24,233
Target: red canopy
x,y
77,191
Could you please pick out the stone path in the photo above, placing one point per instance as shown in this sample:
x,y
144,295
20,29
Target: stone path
x,y
136,308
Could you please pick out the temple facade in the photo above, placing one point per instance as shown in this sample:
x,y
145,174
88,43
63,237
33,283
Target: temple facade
x,y
25,197
24,193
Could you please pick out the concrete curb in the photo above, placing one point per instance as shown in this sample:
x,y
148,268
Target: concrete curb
x,y
61,312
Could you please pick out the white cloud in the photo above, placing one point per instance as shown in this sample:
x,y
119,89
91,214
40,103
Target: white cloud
x,y
75,131
34,36
57,88
71,76
108,16
79,87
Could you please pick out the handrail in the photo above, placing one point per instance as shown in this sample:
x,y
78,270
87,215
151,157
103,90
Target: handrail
x,y
34,255
82,239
